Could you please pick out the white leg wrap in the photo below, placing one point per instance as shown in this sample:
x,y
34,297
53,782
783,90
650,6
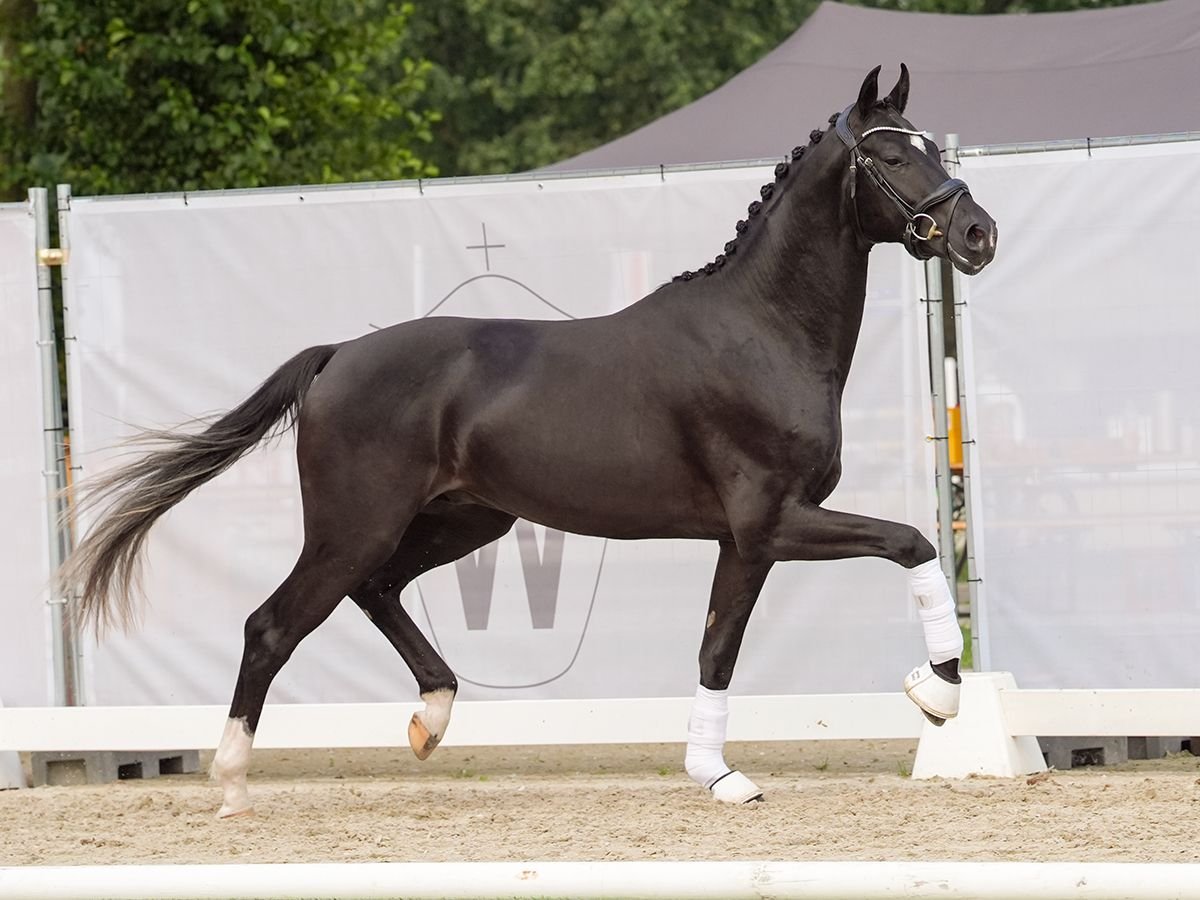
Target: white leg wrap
x,y
705,759
936,607
229,767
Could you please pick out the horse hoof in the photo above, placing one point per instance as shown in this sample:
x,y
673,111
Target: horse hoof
x,y
936,697
422,742
734,787
228,812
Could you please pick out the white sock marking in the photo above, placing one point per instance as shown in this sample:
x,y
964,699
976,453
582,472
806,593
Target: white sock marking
x,y
230,764
436,715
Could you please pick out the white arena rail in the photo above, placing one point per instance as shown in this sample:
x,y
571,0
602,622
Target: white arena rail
x,y
1120,713
996,733
474,724
684,880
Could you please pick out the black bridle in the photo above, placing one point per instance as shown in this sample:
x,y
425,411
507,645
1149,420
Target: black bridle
x,y
914,242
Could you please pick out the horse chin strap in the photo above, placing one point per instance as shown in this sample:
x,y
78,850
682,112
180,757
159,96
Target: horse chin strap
x,y
916,243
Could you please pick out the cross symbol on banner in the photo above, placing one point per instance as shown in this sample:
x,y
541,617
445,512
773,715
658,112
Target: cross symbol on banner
x,y
485,246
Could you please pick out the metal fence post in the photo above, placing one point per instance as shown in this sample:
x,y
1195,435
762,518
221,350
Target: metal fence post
x,y
980,648
937,372
66,673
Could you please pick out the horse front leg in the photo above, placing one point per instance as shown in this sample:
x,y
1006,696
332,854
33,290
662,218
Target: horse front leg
x,y
736,586
803,530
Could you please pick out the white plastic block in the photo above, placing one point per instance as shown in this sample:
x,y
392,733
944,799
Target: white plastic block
x,y
978,741
11,773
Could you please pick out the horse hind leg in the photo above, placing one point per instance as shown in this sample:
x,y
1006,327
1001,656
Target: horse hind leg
x,y
272,632
736,586
437,536
357,506
303,601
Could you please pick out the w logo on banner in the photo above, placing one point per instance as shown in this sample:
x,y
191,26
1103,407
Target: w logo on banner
x,y
514,613
542,571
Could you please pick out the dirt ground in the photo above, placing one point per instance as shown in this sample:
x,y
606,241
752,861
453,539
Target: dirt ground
x,y
824,801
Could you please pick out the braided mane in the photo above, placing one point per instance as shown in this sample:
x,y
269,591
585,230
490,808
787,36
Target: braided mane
x,y
767,192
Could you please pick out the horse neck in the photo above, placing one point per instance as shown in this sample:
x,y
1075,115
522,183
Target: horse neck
x,y
806,272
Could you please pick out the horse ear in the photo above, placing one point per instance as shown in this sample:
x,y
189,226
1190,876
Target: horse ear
x,y
868,94
898,98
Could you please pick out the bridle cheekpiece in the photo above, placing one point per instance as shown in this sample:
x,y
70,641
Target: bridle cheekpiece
x,y
914,241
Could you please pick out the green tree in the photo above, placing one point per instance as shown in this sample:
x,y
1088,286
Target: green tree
x,y
155,95
523,83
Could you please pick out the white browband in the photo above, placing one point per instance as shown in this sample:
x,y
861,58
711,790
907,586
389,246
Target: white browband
x,y
870,131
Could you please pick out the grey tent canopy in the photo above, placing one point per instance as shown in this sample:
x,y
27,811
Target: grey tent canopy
x,y
991,79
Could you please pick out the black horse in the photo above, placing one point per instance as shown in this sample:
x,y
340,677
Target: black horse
x,y
710,409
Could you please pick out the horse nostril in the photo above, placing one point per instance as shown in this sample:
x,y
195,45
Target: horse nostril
x,y
976,238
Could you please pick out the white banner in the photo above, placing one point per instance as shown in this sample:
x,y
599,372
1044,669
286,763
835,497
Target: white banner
x,y
26,676
182,305
1084,400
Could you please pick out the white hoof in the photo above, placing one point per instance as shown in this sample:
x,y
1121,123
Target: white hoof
x,y
937,697
734,787
231,812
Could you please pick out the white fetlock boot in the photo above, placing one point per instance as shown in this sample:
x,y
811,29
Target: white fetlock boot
x,y
705,760
934,692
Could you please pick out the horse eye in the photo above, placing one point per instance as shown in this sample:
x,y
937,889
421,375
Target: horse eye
x,y
893,160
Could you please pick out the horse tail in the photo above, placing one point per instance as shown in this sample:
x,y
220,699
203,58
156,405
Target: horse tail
x,y
104,569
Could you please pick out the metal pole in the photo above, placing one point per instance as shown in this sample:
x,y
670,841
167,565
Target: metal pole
x,y
980,650
937,371
697,880
53,469
1097,143
63,197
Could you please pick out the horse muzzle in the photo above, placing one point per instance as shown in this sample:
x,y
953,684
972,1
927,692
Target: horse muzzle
x,y
970,238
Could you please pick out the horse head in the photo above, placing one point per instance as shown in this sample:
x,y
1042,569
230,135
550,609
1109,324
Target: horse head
x,y
900,192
